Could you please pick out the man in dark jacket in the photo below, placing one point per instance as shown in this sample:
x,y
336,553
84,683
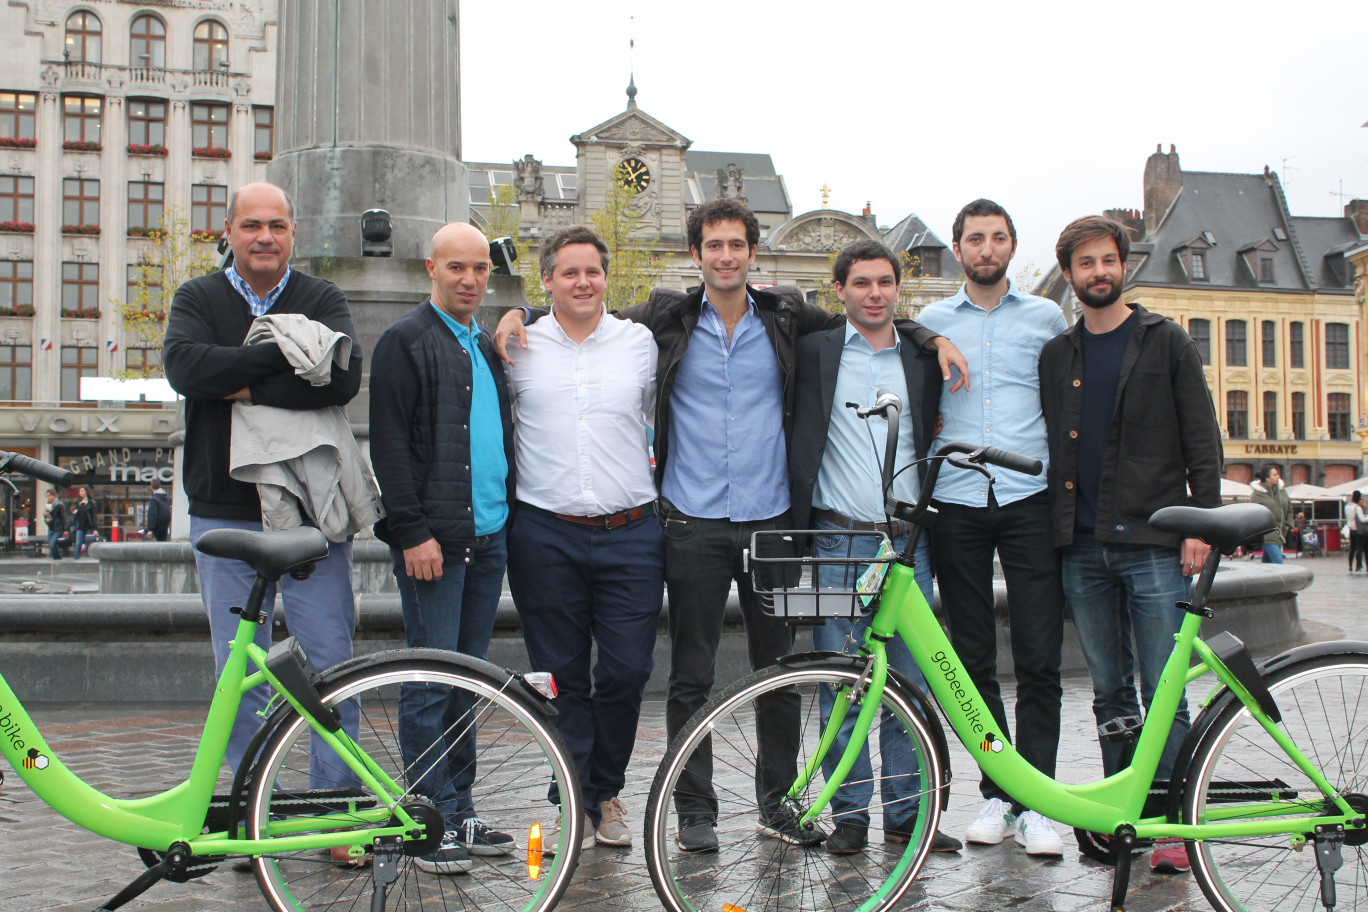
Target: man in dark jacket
x,y
441,444
207,363
159,513
724,410
1131,428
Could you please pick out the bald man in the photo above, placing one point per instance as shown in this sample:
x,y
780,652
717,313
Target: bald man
x,y
207,363
442,446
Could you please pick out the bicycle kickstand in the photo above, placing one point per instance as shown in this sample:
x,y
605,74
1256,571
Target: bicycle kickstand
x,y
1329,839
1121,843
384,868
175,856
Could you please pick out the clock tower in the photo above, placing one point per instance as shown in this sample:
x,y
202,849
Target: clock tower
x,y
637,151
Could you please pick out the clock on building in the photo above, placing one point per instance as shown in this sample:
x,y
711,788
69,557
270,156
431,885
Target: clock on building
x,y
633,174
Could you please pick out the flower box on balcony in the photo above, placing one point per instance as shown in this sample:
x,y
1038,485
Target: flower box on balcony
x,y
205,237
262,156
81,313
17,227
141,231
17,142
22,310
145,316
82,145
144,149
80,229
211,152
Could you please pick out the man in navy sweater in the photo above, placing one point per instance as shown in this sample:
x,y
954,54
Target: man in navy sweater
x,y
207,363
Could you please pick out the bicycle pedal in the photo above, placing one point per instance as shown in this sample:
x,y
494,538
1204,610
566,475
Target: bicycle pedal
x,y
1122,728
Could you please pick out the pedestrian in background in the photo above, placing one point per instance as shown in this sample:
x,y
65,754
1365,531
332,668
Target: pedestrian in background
x,y
1358,532
84,513
1269,491
55,516
158,513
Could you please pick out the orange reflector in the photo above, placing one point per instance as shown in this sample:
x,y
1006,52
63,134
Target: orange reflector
x,y
728,907
534,851
534,838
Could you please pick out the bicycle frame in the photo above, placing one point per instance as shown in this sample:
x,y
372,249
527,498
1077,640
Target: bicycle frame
x,y
178,814
1099,806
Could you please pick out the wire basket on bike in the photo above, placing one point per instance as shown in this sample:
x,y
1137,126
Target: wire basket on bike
x,y
801,589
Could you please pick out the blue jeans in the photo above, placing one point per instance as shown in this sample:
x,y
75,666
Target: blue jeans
x,y
576,586
55,545
900,778
1272,554
321,614
1116,592
455,612
80,543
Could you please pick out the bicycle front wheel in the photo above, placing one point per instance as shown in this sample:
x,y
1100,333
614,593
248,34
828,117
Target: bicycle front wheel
x,y
759,873
510,753
1324,706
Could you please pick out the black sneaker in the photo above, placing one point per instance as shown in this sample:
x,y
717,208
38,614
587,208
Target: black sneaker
x,y
696,834
449,858
781,824
478,839
900,833
849,838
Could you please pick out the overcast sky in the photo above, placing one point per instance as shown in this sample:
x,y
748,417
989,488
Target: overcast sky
x,y
1050,109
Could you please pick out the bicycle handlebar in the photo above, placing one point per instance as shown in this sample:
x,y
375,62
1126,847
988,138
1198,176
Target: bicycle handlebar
x,y
1017,462
43,471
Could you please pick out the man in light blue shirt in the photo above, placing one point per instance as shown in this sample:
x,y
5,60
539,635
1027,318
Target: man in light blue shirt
x,y
1001,330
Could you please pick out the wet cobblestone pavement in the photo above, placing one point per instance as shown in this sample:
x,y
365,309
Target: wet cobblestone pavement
x,y
50,864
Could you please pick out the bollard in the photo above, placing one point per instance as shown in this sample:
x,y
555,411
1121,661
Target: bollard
x,y
114,531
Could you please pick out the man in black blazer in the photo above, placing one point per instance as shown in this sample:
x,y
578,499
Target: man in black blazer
x,y
835,484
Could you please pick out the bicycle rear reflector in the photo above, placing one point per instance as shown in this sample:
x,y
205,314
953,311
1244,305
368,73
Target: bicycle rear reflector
x,y
542,683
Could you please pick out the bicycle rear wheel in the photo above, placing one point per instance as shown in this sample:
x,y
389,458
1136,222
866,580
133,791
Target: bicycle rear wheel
x,y
1324,706
517,752
759,874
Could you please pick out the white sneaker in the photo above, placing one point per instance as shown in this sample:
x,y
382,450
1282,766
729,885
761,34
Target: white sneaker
x,y
1037,834
992,824
551,837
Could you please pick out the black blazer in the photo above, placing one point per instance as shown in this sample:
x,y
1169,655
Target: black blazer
x,y
819,360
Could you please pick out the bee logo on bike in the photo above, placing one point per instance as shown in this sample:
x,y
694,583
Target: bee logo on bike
x,y
35,760
991,743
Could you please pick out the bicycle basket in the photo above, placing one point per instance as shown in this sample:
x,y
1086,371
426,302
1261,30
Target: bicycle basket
x,y
801,589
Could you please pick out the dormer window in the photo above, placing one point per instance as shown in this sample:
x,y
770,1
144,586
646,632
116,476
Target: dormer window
x,y
1258,259
1192,256
925,261
1265,270
1197,267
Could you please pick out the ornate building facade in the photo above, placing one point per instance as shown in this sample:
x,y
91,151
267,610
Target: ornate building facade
x,y
112,115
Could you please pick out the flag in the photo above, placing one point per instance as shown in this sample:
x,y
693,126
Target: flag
x,y
45,344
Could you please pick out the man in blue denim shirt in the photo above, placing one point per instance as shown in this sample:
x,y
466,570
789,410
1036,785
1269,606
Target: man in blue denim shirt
x,y
1001,331
836,484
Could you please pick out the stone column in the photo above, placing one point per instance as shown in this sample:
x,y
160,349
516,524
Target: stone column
x,y
368,116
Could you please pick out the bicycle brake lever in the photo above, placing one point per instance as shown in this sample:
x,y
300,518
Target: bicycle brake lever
x,y
961,460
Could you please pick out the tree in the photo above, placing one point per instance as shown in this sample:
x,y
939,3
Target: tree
x,y
502,221
634,267
171,259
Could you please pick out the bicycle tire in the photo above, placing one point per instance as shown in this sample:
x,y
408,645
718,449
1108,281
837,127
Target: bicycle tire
x,y
519,752
767,875
1319,699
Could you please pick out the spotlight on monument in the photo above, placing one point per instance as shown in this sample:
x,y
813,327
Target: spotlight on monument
x,y
376,230
503,255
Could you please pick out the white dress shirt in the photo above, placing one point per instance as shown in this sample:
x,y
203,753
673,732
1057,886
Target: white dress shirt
x,y
581,413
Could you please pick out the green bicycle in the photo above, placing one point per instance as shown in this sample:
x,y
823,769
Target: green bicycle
x,y
1268,791
367,790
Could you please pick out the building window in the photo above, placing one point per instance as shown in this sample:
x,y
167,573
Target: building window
x,y
1265,270
1269,329
925,261
211,45
1299,416
80,287
1237,414
147,42
1200,333
145,202
80,203
77,361
16,372
208,207
143,362
146,122
16,199
1337,346
209,126
16,284
146,276
83,33
1199,266
1296,350
1270,418
80,119
18,116
1337,416
263,135
1235,344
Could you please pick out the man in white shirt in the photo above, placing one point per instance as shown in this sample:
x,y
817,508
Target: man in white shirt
x,y
586,556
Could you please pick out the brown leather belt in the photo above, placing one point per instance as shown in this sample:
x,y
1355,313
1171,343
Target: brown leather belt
x,y
602,521
892,529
